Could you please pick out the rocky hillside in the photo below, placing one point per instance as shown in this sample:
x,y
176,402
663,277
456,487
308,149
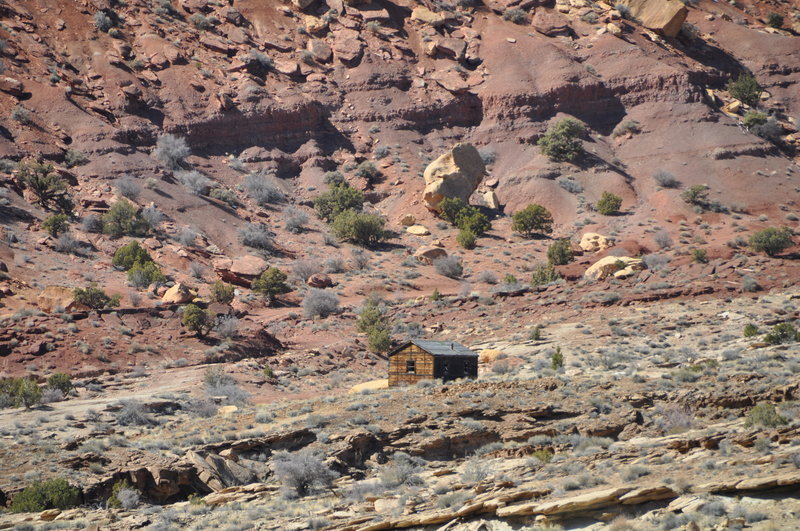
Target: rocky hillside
x,y
218,217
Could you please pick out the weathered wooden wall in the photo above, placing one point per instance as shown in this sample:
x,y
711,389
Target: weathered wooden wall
x,y
397,366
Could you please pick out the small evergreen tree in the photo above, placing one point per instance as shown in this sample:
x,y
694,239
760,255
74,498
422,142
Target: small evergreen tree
x,y
340,198
60,381
771,240
95,298
449,208
609,204
126,256
559,253
198,320
745,89
56,224
361,229
531,220
466,239
221,292
562,142
272,282
124,219
50,189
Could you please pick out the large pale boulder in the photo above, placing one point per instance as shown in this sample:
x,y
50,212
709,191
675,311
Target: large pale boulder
x,y
54,298
663,16
177,294
612,264
428,253
457,173
591,242
418,230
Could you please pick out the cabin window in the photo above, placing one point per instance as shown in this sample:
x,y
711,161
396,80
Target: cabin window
x,y
411,367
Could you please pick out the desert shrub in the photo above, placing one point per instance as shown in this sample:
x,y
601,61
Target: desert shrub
x,y
338,199
782,333
666,180
367,170
609,204
373,322
221,292
142,275
51,494
16,392
754,119
745,89
489,277
296,220
696,195
557,359
531,220
226,326
662,239
152,216
764,415
128,187
559,253
302,471
73,157
674,418
771,240
466,239
516,15
195,182
472,220
360,259
92,223
320,303
186,236
570,185
95,298
655,262
623,10
225,195
270,283
544,274
449,208
22,115
60,381
770,130
402,470
699,256
257,236
303,269
361,229
626,127
102,21
775,20
133,413
171,150
334,178
123,496
56,224
124,219
202,22
198,320
750,330
129,254
216,377
449,266
260,190
562,142
50,189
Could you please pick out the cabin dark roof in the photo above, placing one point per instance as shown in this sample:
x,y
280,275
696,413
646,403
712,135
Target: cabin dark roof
x,y
438,348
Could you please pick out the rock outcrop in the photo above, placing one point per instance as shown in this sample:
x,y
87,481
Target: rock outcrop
x,y
454,174
663,16
178,294
612,265
428,253
58,298
591,242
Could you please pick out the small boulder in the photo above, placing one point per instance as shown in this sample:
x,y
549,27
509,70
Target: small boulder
x,y
428,253
319,280
302,4
321,51
591,242
457,173
426,16
662,16
406,221
11,86
177,294
418,230
612,264
491,199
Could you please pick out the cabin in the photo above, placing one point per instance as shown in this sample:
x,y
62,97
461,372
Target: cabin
x,y
419,360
